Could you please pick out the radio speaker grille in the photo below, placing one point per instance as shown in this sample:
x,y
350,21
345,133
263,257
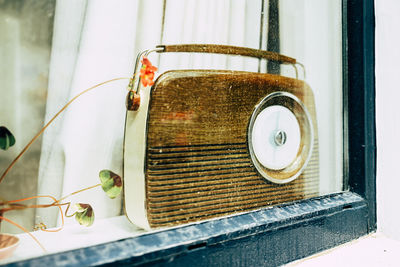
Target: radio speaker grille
x,y
191,182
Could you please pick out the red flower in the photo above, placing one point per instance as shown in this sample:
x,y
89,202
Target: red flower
x,y
147,72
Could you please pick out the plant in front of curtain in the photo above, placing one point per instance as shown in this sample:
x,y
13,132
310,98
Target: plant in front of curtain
x,y
110,182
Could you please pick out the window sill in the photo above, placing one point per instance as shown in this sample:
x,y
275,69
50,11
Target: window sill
x,y
74,236
275,235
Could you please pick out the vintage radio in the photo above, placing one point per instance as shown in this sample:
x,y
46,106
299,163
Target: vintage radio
x,y
210,143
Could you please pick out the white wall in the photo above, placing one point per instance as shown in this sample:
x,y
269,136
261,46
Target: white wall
x,y
388,115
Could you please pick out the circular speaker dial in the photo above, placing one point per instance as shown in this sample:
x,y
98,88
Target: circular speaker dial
x,y
280,137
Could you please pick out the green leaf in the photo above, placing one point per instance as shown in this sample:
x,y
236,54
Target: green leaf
x,y
7,139
111,183
84,214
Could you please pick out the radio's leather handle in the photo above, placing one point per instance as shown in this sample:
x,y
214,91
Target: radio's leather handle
x,y
227,49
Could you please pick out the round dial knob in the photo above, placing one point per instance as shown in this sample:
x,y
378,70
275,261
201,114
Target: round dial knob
x,y
276,137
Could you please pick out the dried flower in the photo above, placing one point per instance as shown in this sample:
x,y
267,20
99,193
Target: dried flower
x,y
147,72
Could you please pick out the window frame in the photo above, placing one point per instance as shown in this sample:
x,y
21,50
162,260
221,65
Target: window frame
x,y
278,235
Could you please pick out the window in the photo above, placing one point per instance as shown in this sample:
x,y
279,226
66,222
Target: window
x,y
275,235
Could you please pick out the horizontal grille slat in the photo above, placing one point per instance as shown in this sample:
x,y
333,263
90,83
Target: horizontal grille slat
x,y
199,168
160,186
197,153
200,164
175,199
208,150
212,172
202,147
191,160
208,169
177,156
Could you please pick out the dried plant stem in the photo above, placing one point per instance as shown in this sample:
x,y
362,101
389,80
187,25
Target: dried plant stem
x,y
23,229
55,204
28,198
22,207
52,119
66,211
79,191
15,205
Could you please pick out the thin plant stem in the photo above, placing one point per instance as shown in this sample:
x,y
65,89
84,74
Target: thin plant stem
x,y
48,196
45,206
25,230
22,207
36,206
62,222
66,210
55,203
28,198
79,191
51,120
17,205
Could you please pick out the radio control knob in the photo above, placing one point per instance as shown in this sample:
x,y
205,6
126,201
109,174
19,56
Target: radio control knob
x,y
270,143
280,138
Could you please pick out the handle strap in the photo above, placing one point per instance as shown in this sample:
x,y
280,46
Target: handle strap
x,y
226,49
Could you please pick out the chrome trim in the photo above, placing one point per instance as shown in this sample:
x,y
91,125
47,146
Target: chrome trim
x,y
280,138
303,68
296,71
256,111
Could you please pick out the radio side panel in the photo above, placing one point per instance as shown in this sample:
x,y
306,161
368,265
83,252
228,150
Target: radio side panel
x,y
197,158
134,162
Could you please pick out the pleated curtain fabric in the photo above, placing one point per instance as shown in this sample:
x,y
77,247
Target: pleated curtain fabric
x,y
95,41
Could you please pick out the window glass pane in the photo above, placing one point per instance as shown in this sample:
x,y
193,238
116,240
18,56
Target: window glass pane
x,y
311,32
212,142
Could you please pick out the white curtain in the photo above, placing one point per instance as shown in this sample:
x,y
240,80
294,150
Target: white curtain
x,y
98,40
